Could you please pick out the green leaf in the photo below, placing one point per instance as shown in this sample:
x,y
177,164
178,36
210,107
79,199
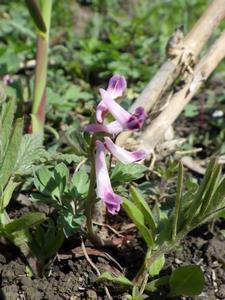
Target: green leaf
x,y
52,183
71,222
46,241
135,294
24,30
42,178
210,189
153,285
7,194
80,184
6,122
177,209
36,15
157,266
9,161
138,218
122,280
191,110
125,173
54,240
68,158
37,197
31,151
61,175
196,203
3,95
140,202
217,201
24,222
72,93
20,238
77,142
186,281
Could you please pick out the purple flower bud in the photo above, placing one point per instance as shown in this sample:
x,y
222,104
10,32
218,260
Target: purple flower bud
x,y
104,188
123,155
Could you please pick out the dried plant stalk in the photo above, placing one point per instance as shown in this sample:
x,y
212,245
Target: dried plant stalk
x,y
170,70
152,135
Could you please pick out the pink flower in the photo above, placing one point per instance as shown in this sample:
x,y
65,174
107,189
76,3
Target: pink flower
x,y
124,119
127,121
104,187
123,155
117,84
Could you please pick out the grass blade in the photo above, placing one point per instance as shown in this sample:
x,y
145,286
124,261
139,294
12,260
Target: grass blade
x,y
178,200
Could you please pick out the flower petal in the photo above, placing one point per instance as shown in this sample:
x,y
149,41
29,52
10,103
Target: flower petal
x,y
123,155
112,202
104,188
101,110
118,112
117,84
111,128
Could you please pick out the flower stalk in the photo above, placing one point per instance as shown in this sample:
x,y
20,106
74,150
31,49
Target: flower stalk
x,y
103,144
92,235
39,101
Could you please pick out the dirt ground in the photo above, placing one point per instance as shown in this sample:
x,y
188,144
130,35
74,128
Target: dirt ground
x,y
70,275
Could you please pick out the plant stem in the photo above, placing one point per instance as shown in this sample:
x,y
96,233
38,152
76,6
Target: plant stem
x,y
89,205
38,108
150,259
93,237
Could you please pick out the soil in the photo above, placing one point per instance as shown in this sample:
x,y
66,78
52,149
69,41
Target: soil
x,y
70,275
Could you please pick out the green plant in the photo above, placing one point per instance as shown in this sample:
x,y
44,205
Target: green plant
x,y
162,231
18,156
64,193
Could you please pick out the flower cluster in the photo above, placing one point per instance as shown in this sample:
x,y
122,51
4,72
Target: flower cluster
x,y
123,121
